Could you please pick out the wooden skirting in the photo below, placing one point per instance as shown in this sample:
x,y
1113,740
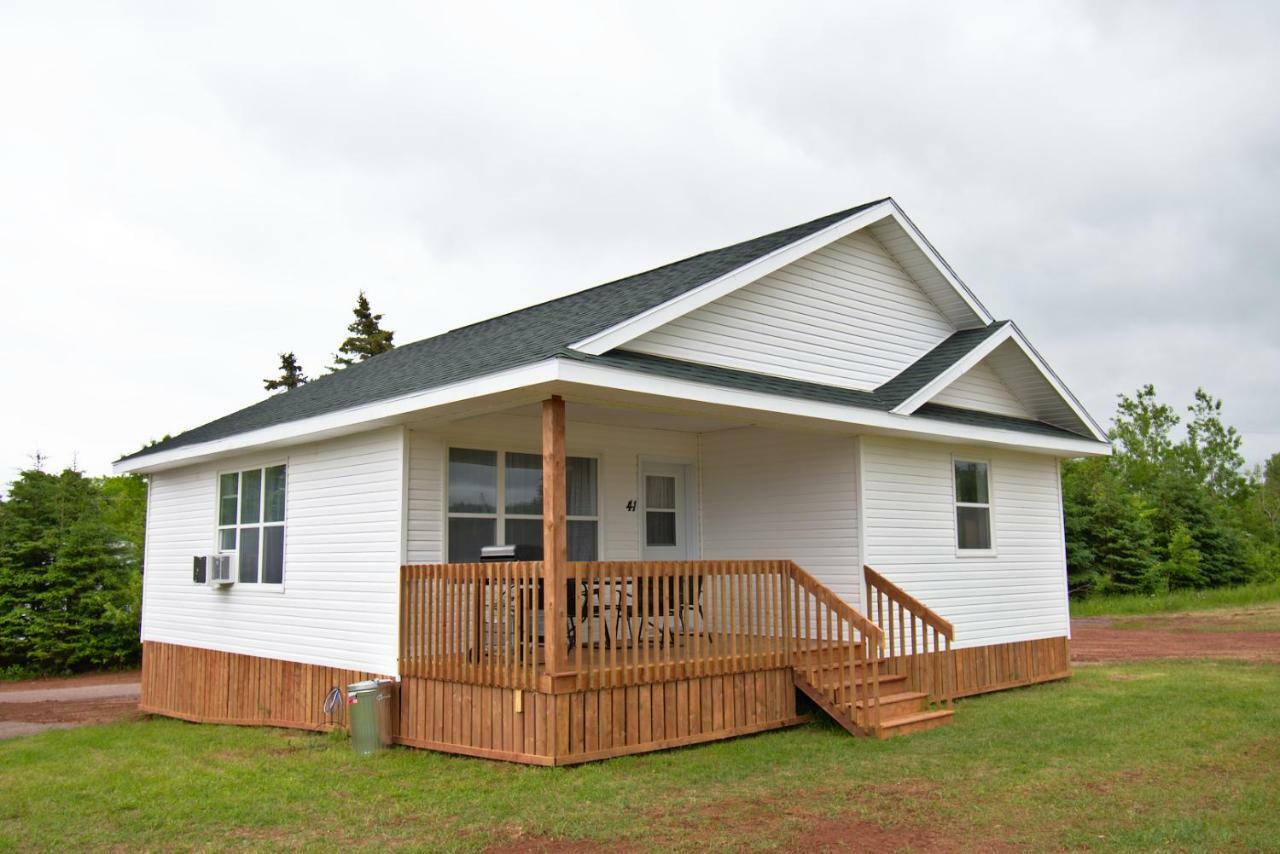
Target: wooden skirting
x,y
563,729
532,727
995,667
209,686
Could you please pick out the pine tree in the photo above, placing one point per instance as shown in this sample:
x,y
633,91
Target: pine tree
x,y
1109,537
291,375
70,588
1122,542
1182,567
367,338
1182,500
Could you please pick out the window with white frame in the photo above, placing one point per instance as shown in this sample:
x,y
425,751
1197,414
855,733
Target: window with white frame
x,y
495,498
973,506
251,522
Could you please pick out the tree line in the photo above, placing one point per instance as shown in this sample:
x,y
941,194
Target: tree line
x,y
70,572
1168,510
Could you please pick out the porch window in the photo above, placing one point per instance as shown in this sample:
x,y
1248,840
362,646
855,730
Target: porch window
x,y
251,522
495,497
973,506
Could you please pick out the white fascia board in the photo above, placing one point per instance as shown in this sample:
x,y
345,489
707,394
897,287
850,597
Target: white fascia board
x,y
1009,332
646,321
924,428
940,263
1058,385
355,419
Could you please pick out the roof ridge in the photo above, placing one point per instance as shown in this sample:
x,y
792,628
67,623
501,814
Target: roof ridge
x,y
837,215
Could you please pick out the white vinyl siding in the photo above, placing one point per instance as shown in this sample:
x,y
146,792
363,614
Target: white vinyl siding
x,y
980,389
910,537
618,450
846,315
338,603
772,494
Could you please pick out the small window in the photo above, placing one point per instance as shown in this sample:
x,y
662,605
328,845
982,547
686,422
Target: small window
x,y
251,523
495,497
973,506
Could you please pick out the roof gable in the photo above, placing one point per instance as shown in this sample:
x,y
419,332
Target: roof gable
x,y
981,389
846,314
944,288
1017,365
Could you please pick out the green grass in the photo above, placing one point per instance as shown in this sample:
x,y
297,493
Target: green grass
x,y
1168,755
1178,600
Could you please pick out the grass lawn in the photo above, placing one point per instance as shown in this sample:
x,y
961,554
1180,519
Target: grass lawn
x,y
1179,600
1181,755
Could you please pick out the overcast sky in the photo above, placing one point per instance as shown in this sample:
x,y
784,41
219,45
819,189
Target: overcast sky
x,y
183,195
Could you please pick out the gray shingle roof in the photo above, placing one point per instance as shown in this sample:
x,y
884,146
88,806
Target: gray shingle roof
x,y
546,330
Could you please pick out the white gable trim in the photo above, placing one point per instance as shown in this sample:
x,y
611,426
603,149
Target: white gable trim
x,y
1009,332
646,321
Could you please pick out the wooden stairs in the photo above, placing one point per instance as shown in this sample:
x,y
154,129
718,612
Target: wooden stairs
x,y
848,693
884,673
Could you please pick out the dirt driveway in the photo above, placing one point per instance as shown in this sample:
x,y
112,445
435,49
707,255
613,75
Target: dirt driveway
x,y
38,704
1240,634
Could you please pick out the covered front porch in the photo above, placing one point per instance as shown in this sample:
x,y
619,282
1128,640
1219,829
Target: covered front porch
x,y
556,661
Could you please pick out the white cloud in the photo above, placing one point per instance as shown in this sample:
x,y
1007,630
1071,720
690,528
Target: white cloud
x,y
185,194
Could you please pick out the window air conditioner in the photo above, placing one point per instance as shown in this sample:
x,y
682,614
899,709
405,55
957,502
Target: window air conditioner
x,y
213,570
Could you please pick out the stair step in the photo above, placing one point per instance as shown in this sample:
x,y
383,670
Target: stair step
x,y
915,723
890,683
896,706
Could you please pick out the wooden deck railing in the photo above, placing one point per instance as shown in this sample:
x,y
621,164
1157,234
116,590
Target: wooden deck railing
x,y
917,640
651,621
472,622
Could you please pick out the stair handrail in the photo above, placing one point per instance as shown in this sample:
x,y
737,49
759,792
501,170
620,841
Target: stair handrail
x,y
916,664
863,658
926,614
853,615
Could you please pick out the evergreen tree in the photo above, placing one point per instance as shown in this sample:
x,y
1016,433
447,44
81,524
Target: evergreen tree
x,y
1109,536
1182,568
1181,500
291,375
1122,542
367,338
70,589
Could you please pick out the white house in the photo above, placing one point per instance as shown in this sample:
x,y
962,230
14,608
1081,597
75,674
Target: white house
x,y
728,440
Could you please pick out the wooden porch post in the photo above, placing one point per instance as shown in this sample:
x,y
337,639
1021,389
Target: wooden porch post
x,y
555,543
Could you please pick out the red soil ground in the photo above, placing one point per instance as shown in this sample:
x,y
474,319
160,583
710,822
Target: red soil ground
x,y
1239,635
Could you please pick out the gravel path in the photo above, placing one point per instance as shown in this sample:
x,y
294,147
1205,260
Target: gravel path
x,y
41,704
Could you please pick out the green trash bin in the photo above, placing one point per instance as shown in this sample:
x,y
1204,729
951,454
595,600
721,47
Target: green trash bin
x,y
369,712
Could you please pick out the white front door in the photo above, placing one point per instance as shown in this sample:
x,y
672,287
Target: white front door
x,y
663,524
